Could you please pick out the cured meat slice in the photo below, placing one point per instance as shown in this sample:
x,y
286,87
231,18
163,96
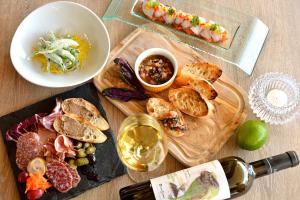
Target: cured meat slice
x,y
59,175
46,135
63,144
29,146
75,175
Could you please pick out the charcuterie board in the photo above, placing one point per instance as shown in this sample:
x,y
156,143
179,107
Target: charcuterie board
x,y
106,167
205,135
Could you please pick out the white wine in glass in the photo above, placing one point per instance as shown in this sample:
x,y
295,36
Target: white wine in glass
x,y
142,147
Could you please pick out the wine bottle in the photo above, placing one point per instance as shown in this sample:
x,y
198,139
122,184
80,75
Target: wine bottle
x,y
220,179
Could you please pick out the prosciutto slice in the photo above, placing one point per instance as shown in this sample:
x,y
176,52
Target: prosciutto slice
x,y
46,135
63,144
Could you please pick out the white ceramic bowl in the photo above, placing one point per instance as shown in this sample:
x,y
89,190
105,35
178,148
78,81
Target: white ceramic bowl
x,y
150,52
63,18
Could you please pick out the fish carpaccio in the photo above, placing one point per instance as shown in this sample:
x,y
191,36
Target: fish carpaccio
x,y
185,22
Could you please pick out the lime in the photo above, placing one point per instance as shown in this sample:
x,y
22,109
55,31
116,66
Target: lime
x,y
252,135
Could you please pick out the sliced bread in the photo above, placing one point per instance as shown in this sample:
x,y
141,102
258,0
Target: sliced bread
x,y
200,70
76,127
85,110
188,101
204,87
168,115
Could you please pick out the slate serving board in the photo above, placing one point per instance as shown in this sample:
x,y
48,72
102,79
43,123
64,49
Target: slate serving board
x,y
108,167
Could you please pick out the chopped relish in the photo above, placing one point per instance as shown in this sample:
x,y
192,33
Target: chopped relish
x,y
156,70
195,21
171,11
215,28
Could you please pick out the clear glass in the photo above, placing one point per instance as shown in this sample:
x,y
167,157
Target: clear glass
x,y
142,147
275,98
246,34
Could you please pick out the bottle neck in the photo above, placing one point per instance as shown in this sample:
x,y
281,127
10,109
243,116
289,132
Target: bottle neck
x,y
275,163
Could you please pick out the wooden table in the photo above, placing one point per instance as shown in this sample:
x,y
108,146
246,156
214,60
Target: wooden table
x,y
280,53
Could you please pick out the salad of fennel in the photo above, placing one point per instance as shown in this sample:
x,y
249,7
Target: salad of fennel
x,y
61,54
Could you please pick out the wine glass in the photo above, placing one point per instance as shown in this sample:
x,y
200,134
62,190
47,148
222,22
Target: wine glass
x,y
142,147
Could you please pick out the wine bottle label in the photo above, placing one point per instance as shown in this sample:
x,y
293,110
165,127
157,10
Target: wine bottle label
x,y
207,181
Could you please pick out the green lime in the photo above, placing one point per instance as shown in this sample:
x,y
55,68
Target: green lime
x,y
252,135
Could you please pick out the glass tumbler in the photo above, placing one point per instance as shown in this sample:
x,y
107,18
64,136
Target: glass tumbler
x,y
274,98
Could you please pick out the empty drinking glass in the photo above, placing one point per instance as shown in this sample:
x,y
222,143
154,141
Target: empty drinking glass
x,y
274,98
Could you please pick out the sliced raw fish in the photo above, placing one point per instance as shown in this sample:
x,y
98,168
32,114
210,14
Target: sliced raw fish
x,y
215,37
183,21
206,34
186,24
196,29
158,13
169,19
179,17
147,11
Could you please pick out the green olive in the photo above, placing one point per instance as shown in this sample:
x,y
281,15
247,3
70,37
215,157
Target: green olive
x,y
82,161
86,145
78,145
90,150
81,153
72,163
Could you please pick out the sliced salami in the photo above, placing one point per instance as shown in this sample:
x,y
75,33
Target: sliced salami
x,y
75,175
59,175
29,146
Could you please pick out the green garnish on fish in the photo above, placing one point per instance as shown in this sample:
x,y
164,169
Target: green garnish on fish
x,y
195,21
153,3
216,28
171,11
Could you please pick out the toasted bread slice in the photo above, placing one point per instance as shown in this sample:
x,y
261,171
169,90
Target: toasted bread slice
x,y
205,88
202,70
165,112
188,101
74,127
86,110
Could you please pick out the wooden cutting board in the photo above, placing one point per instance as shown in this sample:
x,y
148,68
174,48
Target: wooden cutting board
x,y
206,135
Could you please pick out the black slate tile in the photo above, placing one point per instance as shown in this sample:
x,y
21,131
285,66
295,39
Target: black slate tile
x,y
108,165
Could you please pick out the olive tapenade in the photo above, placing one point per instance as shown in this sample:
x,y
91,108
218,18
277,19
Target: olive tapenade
x,y
156,70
